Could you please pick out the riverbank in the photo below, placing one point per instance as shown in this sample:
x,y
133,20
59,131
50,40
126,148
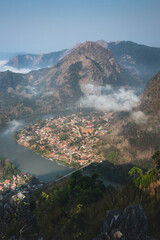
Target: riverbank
x,y
11,178
71,140
24,159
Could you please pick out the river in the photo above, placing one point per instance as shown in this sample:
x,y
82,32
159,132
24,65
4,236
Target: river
x,y
25,159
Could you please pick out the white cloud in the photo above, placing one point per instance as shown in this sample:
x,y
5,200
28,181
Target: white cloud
x,y
4,67
3,62
139,117
112,99
13,126
32,90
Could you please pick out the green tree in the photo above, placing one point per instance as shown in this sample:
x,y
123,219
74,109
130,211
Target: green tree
x,y
156,159
136,174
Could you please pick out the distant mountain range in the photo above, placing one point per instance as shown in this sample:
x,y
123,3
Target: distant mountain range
x,y
77,72
142,61
81,72
35,61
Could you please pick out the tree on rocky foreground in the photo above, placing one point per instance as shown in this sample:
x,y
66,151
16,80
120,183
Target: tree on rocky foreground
x,y
156,159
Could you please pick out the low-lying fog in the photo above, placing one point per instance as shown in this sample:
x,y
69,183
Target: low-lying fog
x,y
110,99
13,126
4,67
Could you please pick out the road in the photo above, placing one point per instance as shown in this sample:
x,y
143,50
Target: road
x,y
67,175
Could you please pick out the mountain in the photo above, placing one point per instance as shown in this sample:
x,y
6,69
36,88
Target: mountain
x,y
142,61
68,51
15,97
16,83
103,43
10,80
150,101
35,61
80,73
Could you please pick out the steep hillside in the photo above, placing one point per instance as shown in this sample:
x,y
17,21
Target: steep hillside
x,y
150,101
141,60
15,97
11,81
16,83
89,64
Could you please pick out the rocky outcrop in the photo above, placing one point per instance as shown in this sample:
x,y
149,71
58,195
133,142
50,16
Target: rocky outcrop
x,y
130,224
15,210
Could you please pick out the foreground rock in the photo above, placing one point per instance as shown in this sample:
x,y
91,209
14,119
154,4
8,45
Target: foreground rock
x,y
130,224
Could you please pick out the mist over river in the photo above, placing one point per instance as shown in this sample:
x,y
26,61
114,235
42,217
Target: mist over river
x,y
25,159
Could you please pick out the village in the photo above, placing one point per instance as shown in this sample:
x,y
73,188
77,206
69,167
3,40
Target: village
x,y
19,182
14,200
70,140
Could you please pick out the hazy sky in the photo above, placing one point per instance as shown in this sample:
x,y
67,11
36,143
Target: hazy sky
x,y
40,26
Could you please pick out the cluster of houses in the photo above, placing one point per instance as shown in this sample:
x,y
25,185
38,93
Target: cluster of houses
x,y
16,183
71,138
15,204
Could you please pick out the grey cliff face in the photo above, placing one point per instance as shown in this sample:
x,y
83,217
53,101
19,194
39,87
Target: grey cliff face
x,y
130,224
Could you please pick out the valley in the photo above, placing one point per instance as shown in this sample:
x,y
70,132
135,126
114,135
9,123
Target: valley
x,y
71,139
80,120
115,140
63,84
24,159
104,120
